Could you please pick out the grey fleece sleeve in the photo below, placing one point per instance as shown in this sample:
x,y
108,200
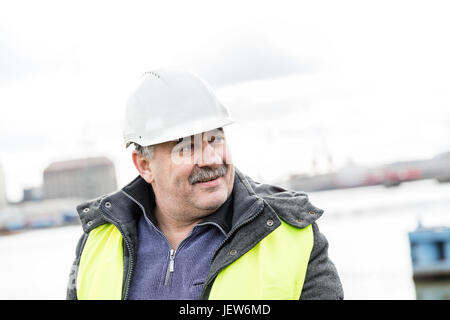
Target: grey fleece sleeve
x,y
322,280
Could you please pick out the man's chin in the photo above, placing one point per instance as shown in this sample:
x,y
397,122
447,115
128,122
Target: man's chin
x,y
211,202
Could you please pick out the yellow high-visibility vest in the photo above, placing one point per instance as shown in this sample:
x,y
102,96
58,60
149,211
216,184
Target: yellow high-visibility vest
x,y
275,268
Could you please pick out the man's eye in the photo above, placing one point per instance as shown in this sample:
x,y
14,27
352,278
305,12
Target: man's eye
x,y
214,139
187,148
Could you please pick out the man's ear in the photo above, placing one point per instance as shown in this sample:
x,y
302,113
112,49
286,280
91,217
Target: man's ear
x,y
142,165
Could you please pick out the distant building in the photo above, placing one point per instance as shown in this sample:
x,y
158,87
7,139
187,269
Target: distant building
x,y
82,178
32,194
3,199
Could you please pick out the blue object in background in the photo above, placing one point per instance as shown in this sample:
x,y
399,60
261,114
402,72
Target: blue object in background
x,y
70,217
430,256
430,252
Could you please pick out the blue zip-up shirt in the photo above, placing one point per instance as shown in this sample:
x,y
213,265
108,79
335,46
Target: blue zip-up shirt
x,y
166,274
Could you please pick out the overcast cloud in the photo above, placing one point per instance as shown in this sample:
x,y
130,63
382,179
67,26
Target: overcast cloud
x,y
366,81
242,54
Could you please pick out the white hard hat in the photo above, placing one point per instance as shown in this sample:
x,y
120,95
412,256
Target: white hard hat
x,y
169,104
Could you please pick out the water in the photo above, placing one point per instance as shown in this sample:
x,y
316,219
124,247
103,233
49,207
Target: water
x,y
36,264
367,229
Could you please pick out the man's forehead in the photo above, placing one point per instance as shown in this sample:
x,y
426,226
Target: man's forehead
x,y
190,137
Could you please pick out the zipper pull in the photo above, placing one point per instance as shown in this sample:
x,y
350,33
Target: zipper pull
x,y
171,262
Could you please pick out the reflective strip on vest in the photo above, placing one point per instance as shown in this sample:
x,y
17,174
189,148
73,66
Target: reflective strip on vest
x,y
275,268
100,273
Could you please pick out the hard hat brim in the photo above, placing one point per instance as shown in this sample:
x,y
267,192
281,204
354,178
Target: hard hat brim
x,y
176,133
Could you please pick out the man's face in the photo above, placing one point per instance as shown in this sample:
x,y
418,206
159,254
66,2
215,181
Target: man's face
x,y
194,173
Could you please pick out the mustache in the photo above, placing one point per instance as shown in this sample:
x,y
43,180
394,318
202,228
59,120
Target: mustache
x,y
206,174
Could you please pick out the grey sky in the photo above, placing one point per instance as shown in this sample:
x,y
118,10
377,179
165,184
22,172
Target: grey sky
x,y
361,80
244,54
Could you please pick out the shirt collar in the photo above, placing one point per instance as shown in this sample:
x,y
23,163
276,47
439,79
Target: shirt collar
x,y
222,216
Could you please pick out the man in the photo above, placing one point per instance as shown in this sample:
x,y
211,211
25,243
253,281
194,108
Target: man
x,y
191,225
